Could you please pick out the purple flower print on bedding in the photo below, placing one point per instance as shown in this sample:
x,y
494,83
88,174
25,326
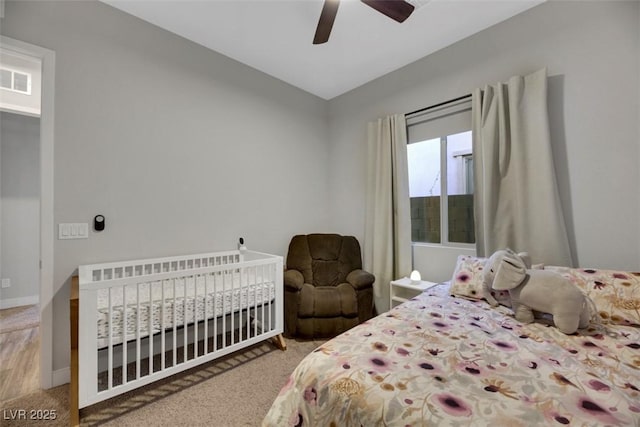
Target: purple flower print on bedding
x,y
503,345
470,368
427,366
453,405
295,420
592,408
402,351
310,395
380,346
598,285
463,277
440,325
598,386
379,364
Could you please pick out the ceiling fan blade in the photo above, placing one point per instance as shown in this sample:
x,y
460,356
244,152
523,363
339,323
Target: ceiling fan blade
x,y
325,23
398,10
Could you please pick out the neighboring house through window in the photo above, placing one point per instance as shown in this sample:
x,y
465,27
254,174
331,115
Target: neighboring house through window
x,y
440,163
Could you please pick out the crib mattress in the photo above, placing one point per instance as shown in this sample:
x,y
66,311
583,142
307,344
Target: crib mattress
x,y
196,298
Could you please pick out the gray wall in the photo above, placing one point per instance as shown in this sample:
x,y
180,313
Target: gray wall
x,y
20,204
591,50
182,150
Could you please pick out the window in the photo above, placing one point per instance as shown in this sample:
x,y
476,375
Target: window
x,y
15,81
440,163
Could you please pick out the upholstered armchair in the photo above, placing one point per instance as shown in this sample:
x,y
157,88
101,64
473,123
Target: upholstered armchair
x,y
326,291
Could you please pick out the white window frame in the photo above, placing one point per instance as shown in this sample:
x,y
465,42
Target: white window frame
x,y
462,157
13,81
445,110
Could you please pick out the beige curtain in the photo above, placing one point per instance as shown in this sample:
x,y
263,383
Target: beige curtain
x,y
516,198
387,240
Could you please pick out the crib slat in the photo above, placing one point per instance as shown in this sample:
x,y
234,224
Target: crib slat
x,y
184,322
197,332
248,306
206,314
270,311
110,345
216,295
264,299
262,317
163,327
233,294
150,308
195,317
255,310
271,281
267,325
256,301
224,310
124,335
241,288
137,331
175,327
262,302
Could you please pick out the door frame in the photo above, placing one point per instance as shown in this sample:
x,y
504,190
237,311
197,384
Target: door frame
x,y
46,200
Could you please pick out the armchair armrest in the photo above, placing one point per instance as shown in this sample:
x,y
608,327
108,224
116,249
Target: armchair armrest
x,y
360,279
293,280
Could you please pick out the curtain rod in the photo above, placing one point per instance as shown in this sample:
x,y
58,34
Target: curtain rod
x,y
438,105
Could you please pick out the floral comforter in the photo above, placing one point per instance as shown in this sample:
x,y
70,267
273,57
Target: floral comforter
x,y
443,361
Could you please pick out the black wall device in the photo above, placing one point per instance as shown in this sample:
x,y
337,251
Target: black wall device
x,y
98,223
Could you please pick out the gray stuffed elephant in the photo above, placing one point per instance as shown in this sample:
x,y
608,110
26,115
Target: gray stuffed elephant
x,y
487,290
539,290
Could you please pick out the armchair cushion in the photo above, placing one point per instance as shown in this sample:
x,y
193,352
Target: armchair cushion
x,y
293,280
328,301
360,279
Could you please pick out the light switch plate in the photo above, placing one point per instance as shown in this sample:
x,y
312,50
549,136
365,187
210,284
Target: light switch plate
x,y
74,230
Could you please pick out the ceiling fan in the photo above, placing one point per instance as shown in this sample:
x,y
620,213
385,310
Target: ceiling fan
x,y
398,10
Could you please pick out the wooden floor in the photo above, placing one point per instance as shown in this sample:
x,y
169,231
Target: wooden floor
x,y
19,362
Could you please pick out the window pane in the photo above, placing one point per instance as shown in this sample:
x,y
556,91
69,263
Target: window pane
x,y
424,190
5,79
21,82
460,188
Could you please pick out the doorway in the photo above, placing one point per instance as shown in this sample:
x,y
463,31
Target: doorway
x,y
44,184
20,247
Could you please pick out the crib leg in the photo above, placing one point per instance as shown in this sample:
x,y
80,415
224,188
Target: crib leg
x,y
280,342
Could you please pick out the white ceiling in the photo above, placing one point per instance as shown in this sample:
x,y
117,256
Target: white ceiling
x,y
275,36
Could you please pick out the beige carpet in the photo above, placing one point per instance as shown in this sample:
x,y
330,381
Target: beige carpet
x,y
234,391
18,318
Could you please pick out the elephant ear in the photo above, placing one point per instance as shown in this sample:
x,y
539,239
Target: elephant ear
x,y
526,258
510,273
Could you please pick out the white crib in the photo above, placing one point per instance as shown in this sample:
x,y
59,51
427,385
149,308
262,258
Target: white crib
x,y
139,321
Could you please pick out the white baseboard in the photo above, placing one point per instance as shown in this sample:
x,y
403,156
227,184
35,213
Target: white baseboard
x,y
61,376
17,302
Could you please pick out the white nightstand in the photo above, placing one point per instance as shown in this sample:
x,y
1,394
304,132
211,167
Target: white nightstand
x,y
404,289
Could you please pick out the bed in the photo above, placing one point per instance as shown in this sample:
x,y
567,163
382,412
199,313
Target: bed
x,y
135,322
443,360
